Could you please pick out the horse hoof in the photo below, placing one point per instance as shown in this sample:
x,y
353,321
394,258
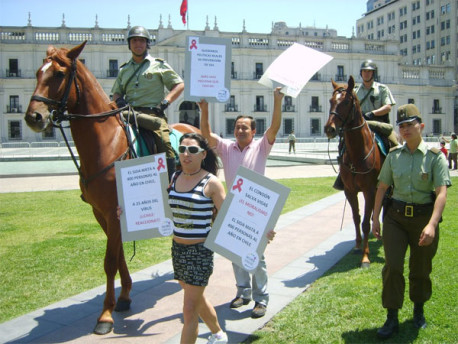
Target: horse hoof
x,y
365,265
122,305
103,327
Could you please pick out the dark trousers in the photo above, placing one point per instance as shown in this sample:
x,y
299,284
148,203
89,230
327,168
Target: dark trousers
x,y
292,144
452,157
160,129
400,232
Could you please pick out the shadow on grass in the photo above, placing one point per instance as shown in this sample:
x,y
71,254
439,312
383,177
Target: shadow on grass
x,y
407,334
353,259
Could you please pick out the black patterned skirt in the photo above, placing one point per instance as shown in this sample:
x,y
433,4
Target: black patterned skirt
x,y
192,264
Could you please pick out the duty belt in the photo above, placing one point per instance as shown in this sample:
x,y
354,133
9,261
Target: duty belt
x,y
147,110
411,209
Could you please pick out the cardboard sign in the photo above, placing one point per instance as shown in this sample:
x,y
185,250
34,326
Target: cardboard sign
x,y
252,207
207,69
294,68
142,195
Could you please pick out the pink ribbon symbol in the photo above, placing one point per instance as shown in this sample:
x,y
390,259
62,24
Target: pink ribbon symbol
x,y
161,164
238,185
193,44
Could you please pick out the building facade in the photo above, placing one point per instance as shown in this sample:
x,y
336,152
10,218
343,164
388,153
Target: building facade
x,y
431,87
426,31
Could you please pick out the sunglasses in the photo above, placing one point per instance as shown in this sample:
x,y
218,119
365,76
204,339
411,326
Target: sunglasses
x,y
190,149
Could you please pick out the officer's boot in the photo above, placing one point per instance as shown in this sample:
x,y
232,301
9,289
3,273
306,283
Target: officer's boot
x,y
171,167
391,325
418,316
338,184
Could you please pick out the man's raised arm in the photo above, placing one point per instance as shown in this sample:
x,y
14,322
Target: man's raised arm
x,y
205,124
276,116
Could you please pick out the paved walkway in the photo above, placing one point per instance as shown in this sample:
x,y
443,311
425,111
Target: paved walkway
x,y
308,243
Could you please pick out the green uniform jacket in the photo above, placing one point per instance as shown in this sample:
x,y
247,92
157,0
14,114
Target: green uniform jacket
x,y
379,95
415,176
146,87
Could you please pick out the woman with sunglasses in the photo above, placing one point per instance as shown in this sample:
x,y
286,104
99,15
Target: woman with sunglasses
x,y
194,193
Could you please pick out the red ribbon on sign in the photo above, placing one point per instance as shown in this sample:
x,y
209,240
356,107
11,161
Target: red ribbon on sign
x,y
193,44
238,185
160,161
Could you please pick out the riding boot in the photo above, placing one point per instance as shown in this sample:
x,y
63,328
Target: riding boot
x,y
419,320
171,167
338,184
391,325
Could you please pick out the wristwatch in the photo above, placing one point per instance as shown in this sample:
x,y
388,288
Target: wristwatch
x,y
164,104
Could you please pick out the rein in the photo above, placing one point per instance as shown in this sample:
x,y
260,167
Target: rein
x,y
60,115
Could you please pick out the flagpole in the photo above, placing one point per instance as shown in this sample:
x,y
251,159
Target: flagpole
x,y
187,17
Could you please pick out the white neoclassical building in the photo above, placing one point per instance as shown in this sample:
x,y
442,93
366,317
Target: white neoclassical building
x,y
431,87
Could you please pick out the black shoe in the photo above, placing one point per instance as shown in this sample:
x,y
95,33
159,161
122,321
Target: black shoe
x,y
239,302
419,320
258,311
338,184
390,326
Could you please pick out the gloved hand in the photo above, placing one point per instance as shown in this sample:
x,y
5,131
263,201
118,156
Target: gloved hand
x,y
369,116
120,102
158,111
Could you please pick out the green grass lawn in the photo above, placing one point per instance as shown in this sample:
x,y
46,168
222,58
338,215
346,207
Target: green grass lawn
x,y
344,305
45,238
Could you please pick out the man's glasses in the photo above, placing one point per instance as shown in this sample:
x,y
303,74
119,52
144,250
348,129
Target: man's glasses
x,y
190,149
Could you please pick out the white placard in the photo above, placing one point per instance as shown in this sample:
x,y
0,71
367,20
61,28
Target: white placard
x,y
142,195
294,68
207,74
251,209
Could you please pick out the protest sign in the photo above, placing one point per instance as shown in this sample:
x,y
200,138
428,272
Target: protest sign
x,y
142,195
294,68
251,209
207,69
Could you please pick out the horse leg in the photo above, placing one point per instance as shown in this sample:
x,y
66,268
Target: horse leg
x,y
124,300
369,199
353,200
105,321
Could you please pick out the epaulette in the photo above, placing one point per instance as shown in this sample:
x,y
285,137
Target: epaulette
x,y
123,65
435,150
159,60
395,148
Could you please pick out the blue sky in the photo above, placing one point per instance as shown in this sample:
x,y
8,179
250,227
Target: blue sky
x,y
258,14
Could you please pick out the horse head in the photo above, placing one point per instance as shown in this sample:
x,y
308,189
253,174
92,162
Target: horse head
x,y
56,89
344,108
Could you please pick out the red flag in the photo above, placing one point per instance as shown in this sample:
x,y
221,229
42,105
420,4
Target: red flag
x,y
183,10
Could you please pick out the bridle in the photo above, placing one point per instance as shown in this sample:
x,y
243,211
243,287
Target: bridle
x,y
58,110
59,115
350,118
343,129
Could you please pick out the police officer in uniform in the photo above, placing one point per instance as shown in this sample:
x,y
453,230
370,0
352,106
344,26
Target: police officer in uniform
x,y
375,100
141,83
419,177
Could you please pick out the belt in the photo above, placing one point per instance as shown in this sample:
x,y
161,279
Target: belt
x,y
411,209
148,110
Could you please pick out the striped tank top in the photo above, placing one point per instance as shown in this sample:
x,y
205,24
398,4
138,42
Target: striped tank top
x,y
192,210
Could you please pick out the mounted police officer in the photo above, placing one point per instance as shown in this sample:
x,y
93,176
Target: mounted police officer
x,y
375,100
419,177
141,83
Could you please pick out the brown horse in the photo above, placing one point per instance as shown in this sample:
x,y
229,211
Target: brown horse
x,y
361,159
67,90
